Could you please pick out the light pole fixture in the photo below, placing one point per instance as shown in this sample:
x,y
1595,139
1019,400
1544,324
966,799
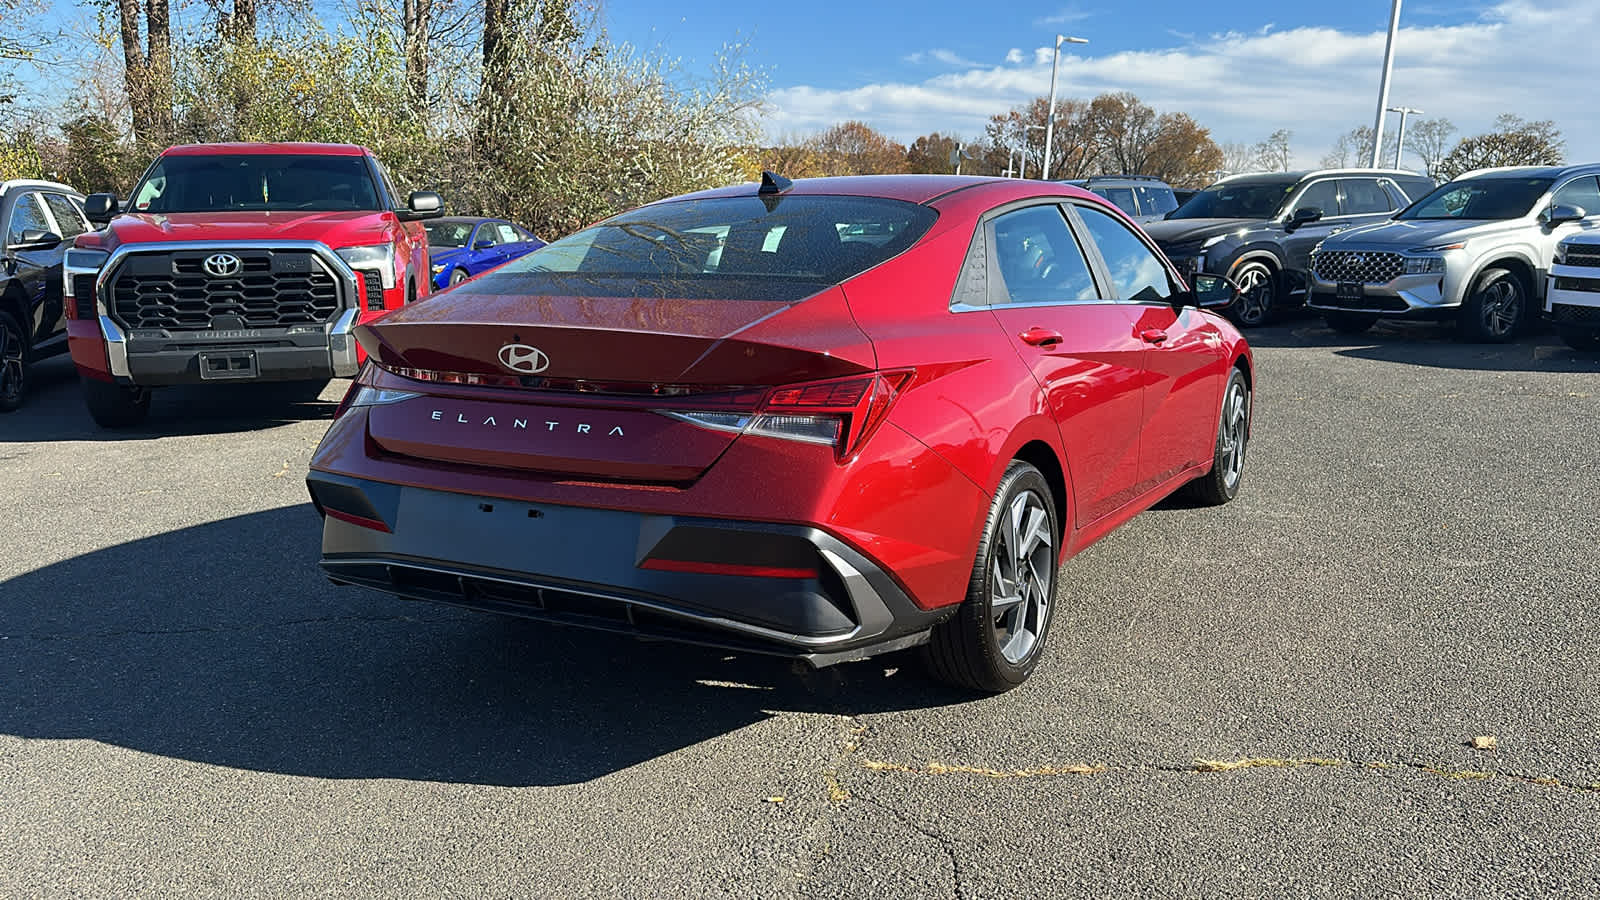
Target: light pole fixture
x,y
1400,139
1383,86
1050,112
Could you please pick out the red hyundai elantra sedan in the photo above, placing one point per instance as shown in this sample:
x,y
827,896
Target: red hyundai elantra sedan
x,y
825,418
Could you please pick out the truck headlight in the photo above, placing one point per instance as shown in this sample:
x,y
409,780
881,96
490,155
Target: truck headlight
x,y
85,261
1424,265
372,258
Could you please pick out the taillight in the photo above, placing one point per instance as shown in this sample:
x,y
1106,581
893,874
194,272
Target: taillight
x,y
841,413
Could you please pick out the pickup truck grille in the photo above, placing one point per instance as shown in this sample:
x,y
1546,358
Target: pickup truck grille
x,y
1355,265
270,289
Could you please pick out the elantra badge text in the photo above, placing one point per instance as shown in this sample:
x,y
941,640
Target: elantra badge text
x,y
522,358
522,424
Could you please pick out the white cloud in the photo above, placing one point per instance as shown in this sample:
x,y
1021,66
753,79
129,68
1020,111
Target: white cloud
x,y
1065,16
1522,56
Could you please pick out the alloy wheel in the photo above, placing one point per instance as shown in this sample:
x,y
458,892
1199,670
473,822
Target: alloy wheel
x,y
1501,307
1019,577
12,349
1255,295
1235,434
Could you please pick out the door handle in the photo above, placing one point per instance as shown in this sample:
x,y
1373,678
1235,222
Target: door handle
x,y
1153,335
1040,337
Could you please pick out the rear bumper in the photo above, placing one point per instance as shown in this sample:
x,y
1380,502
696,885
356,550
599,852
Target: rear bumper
x,y
786,590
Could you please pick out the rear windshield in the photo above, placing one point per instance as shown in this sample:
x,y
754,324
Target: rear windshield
x,y
721,248
1480,198
256,182
1236,201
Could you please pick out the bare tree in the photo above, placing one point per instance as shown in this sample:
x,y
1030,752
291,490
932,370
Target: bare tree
x,y
1237,158
417,31
1429,139
147,68
1354,148
1274,153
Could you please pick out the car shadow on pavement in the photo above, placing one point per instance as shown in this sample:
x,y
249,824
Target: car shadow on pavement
x,y
1429,344
222,644
54,409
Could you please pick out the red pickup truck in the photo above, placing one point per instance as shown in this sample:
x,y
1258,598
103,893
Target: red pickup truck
x,y
239,262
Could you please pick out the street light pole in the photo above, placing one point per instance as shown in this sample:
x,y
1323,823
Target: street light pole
x,y
1400,139
1050,112
1383,87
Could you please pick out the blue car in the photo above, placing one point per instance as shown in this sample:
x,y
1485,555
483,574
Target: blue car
x,y
460,247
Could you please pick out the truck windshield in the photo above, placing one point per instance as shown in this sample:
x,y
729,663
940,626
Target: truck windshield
x,y
1480,198
255,182
1236,201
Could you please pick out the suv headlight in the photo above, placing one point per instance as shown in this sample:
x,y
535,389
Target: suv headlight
x,y
372,258
1424,265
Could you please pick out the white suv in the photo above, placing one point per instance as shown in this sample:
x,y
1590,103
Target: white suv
x,y
1475,251
1572,299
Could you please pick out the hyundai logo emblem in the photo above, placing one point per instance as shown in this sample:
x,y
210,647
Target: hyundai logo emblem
x,y
522,358
222,265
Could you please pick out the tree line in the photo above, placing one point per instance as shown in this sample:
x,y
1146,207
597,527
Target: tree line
x,y
527,109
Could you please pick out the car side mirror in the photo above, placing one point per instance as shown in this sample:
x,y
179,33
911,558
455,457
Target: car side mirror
x,y
37,240
483,245
1560,214
100,208
1305,215
422,205
1207,291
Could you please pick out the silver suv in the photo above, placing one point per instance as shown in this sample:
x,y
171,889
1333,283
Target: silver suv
x,y
1475,251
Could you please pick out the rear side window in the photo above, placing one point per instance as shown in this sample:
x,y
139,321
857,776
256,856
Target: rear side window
x,y
1136,272
1039,259
1157,201
67,215
720,248
1365,195
1121,198
1414,187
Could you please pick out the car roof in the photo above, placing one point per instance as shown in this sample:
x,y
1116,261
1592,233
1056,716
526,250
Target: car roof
x,y
463,220
1299,175
265,149
909,188
1534,171
18,184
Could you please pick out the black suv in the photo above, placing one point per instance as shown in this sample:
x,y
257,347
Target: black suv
x,y
38,220
1260,229
1145,198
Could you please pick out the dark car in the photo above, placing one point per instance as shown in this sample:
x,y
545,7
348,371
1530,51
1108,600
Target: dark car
x,y
823,419
463,248
38,219
1145,198
1259,230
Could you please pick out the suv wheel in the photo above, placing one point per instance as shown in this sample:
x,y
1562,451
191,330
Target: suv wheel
x,y
113,405
997,635
1495,309
1257,294
13,363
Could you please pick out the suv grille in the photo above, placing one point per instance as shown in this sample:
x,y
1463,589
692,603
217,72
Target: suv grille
x,y
272,288
1354,265
1587,256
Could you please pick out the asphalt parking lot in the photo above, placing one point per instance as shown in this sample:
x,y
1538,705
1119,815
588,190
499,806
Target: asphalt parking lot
x,y
187,707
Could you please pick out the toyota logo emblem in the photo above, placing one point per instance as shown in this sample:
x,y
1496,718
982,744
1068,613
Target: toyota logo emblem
x,y
222,265
522,358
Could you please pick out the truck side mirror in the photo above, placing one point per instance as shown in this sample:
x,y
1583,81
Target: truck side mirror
x,y
422,205
100,208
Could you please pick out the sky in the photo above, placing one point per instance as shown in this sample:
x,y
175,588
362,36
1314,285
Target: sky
x,y
1243,68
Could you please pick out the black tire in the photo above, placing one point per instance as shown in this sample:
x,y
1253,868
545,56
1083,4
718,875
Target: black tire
x,y
1349,322
15,350
115,406
985,650
457,276
1258,294
1221,484
1580,338
1496,309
